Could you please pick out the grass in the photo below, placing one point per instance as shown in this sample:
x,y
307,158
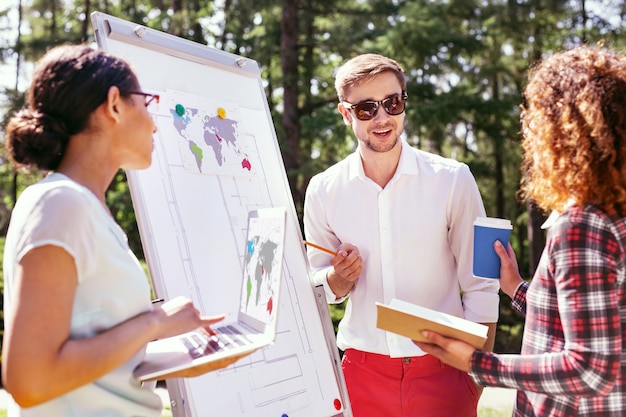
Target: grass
x,y
493,413
496,404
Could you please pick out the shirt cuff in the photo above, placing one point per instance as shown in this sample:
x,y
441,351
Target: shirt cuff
x,y
320,277
477,358
519,297
331,298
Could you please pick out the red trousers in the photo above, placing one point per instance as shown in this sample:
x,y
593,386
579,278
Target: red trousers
x,y
417,386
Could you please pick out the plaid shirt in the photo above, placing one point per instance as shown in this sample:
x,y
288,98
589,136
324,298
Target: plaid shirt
x,y
573,355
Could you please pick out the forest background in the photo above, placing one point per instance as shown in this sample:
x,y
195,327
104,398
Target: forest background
x,y
466,61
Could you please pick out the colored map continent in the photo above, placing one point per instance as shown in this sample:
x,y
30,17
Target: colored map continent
x,y
205,132
260,260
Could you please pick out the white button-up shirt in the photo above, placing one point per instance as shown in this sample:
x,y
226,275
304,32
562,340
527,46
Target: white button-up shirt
x,y
415,237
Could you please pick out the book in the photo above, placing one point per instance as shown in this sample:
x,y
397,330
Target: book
x,y
409,320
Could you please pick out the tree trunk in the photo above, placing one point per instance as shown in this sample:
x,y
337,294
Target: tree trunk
x,y
289,66
536,236
84,35
498,141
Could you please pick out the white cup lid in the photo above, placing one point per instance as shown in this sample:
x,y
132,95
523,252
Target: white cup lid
x,y
493,222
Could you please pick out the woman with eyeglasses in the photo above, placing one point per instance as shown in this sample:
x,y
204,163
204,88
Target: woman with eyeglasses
x,y
401,221
77,307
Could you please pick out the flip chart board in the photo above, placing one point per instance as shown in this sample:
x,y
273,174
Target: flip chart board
x,y
216,157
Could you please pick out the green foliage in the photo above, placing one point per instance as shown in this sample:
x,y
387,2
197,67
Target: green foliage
x,y
120,204
336,313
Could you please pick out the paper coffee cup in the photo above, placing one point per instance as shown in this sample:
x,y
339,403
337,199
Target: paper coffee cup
x,y
486,231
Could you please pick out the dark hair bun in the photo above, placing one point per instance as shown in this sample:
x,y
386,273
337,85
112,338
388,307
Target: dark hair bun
x,y
35,139
69,83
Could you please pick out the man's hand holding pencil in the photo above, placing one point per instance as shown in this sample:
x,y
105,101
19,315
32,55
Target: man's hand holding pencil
x,y
323,249
347,266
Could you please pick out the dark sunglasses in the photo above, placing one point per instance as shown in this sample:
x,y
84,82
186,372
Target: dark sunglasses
x,y
149,97
366,110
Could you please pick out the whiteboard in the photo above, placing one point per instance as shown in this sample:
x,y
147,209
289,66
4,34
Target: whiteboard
x,y
216,157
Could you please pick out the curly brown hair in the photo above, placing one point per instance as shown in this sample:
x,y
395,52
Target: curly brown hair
x,y
574,130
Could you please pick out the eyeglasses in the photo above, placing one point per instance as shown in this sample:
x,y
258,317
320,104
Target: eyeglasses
x,y
149,97
366,110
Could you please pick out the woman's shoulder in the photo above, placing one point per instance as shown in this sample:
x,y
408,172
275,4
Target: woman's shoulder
x,y
590,218
589,214
56,187
56,197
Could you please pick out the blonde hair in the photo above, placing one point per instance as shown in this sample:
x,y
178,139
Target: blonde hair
x,y
363,68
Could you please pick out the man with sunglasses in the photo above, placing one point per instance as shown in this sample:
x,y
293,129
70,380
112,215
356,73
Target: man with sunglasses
x,y
401,222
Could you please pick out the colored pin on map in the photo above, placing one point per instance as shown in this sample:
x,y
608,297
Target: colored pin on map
x,y
180,109
221,112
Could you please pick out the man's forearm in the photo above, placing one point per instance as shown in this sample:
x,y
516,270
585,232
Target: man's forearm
x,y
340,286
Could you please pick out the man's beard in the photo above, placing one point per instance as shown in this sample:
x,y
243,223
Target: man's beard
x,y
380,147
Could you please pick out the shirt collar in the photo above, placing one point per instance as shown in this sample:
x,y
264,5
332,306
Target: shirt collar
x,y
555,215
550,220
408,165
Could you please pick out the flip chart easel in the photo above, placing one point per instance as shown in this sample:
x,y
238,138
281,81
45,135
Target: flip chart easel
x,y
216,157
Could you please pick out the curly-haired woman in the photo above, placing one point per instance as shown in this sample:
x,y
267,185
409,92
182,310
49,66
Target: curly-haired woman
x,y
573,357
